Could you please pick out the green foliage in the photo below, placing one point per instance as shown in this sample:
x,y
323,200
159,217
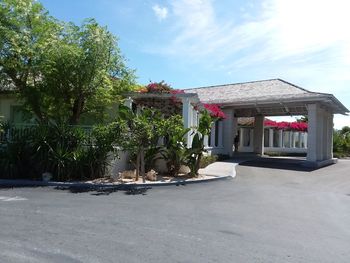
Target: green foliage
x,y
2,124
27,33
341,142
159,87
61,71
195,153
67,152
208,159
140,134
89,69
303,118
174,149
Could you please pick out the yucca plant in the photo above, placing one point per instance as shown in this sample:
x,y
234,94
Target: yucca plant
x,y
196,151
140,133
174,150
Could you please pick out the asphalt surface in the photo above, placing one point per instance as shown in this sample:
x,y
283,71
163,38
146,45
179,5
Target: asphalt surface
x,y
262,215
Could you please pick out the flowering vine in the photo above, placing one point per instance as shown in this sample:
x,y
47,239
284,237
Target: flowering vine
x,y
283,125
215,111
157,87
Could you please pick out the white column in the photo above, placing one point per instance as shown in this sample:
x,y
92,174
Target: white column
x,y
259,135
290,144
251,141
329,150
318,139
270,137
187,118
300,135
305,139
331,134
220,137
194,116
128,103
322,134
326,154
241,137
293,138
228,129
312,146
206,141
138,109
280,138
212,135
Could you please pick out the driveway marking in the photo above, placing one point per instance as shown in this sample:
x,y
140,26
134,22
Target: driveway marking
x,y
9,199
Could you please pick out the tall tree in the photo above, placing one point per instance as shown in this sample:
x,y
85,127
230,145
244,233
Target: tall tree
x,y
60,70
85,72
27,33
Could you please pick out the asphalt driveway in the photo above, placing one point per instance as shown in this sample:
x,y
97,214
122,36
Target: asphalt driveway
x,y
263,215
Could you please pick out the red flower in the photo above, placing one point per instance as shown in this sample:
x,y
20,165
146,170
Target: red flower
x,y
158,87
215,111
173,98
283,125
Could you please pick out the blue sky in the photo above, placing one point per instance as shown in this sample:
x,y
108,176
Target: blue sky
x,y
191,43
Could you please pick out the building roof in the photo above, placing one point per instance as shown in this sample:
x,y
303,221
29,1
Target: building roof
x,y
267,93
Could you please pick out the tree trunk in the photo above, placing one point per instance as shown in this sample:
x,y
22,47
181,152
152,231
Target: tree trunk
x,y
76,111
137,166
142,164
198,164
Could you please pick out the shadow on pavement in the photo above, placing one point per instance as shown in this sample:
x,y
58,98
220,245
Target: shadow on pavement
x,y
97,191
292,164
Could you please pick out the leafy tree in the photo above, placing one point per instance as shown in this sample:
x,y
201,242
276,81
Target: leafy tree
x,y
60,70
89,70
303,118
345,131
141,132
27,33
341,142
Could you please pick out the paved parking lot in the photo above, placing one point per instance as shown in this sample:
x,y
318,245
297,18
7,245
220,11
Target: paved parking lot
x,y
262,215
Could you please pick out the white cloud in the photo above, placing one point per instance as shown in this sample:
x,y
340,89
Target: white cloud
x,y
295,29
160,12
307,42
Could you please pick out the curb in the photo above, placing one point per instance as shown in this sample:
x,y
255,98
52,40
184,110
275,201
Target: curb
x,y
30,183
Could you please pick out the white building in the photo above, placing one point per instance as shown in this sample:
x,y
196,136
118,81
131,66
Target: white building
x,y
276,140
260,99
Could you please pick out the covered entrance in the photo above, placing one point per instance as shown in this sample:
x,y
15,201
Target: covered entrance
x,y
274,97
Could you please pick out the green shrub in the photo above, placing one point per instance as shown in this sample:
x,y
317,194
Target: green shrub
x,y
208,159
174,150
67,152
341,142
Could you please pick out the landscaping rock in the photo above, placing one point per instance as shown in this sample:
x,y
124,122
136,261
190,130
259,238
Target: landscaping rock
x,y
46,177
129,174
151,175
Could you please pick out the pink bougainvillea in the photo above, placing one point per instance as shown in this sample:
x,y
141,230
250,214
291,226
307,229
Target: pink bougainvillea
x,y
162,87
283,125
158,87
215,111
175,99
